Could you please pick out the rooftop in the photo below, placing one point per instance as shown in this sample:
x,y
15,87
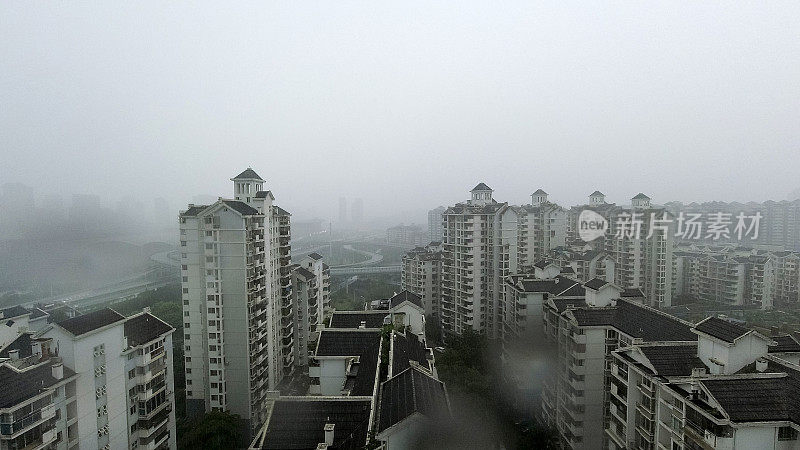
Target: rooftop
x,y
241,207
248,174
299,423
353,319
673,360
407,348
481,187
404,296
315,256
411,391
91,321
637,321
145,327
721,329
334,342
18,386
13,311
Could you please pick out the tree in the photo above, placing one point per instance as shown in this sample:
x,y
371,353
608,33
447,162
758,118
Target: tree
x,y
215,430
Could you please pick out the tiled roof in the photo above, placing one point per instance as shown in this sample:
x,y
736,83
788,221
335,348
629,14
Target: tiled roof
x,y
409,392
345,343
406,349
37,312
595,283
363,382
305,273
637,321
91,321
264,194
145,327
16,387
786,344
481,187
248,174
194,210
562,303
299,423
21,343
540,192
14,311
721,329
597,193
315,256
673,360
353,319
241,207
641,196
406,295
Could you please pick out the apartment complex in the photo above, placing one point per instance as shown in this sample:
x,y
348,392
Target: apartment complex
x,y
586,331
311,290
99,381
406,236
779,225
586,264
435,224
483,242
728,388
237,300
421,274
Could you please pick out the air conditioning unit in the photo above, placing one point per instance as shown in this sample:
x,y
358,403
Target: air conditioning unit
x,y
107,447
98,392
104,389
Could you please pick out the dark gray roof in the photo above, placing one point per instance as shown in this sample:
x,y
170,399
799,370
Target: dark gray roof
x,y
785,344
673,360
248,174
263,194
406,349
542,263
481,187
595,283
408,392
540,192
194,210
596,193
14,311
91,321
350,319
241,207
315,256
280,211
300,423
406,295
637,321
21,343
632,292
363,381
563,303
641,196
37,312
721,329
16,387
345,343
305,273
144,328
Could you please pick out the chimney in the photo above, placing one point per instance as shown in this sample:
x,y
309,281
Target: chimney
x,y
329,434
761,364
363,324
58,371
13,354
322,446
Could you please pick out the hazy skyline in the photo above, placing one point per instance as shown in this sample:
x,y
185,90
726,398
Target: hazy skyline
x,y
405,105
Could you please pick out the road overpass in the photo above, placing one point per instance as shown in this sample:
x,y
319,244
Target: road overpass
x,y
364,270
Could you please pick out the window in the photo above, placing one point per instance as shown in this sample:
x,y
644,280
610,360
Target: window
x,y
787,434
186,325
184,267
131,373
186,337
183,243
188,359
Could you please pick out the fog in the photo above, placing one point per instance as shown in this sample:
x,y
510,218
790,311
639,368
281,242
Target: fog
x,y
406,105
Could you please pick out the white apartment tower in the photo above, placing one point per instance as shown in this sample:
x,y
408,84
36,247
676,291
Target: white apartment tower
x,y
236,288
311,291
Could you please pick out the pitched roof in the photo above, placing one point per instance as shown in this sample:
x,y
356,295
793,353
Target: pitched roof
x,y
37,312
632,292
265,194
14,311
334,342
640,196
91,321
636,320
299,423
481,187
194,210
307,274
721,329
241,207
248,174
406,349
145,327
673,360
596,283
362,382
542,263
785,344
406,295
16,387
597,193
21,343
761,398
408,392
315,256
539,192
353,319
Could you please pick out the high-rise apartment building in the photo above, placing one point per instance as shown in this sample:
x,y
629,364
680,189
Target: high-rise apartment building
x,y
483,242
311,289
435,224
237,302
421,274
406,235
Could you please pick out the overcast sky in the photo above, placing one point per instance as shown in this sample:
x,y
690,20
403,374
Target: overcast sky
x,y
407,105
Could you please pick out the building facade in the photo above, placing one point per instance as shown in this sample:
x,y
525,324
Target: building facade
x,y
237,300
421,274
435,224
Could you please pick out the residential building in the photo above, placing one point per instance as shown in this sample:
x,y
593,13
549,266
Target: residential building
x,y
237,300
586,264
724,389
435,224
421,274
586,332
406,235
311,285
